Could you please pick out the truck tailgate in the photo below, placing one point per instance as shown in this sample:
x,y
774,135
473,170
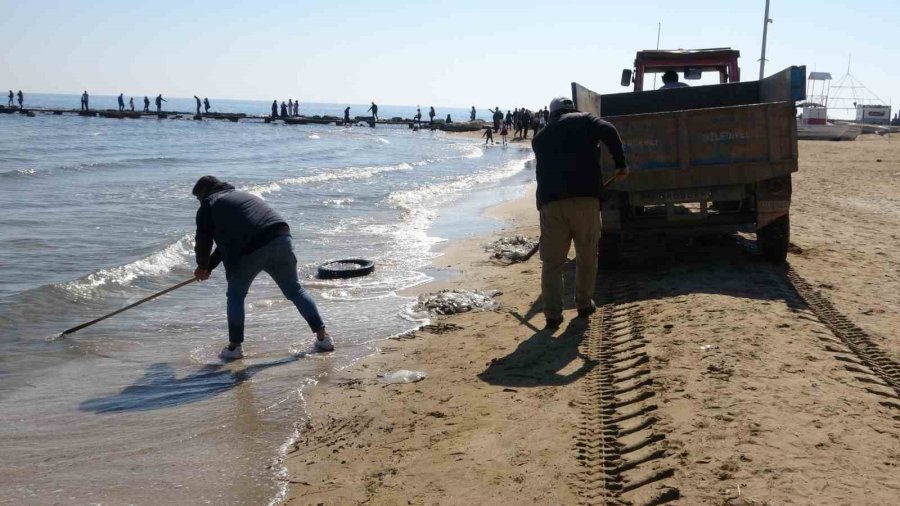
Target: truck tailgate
x,y
706,147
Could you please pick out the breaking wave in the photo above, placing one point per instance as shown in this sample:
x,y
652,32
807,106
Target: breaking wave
x,y
343,174
161,262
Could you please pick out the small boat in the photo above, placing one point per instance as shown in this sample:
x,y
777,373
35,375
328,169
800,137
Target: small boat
x,y
813,124
852,132
826,132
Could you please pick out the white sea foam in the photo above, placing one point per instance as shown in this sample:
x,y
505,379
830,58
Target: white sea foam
x,y
475,151
18,173
411,243
425,200
313,136
262,189
338,202
340,174
156,264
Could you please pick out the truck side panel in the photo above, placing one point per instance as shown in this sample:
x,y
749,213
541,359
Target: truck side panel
x,y
585,99
706,147
679,99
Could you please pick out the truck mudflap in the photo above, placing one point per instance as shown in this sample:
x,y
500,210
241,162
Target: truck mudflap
x,y
773,200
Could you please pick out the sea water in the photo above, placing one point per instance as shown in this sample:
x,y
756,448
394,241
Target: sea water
x,y
97,214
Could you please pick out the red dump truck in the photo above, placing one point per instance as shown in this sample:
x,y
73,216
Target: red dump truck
x,y
703,159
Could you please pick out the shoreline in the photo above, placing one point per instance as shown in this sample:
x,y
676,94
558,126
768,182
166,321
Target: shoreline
x,y
362,434
762,413
339,472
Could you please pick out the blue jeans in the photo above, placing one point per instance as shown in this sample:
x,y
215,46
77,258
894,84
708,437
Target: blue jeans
x,y
277,259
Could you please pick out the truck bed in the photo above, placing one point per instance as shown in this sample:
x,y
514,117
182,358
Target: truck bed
x,y
704,136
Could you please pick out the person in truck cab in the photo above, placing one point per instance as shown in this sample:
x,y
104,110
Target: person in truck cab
x,y
670,80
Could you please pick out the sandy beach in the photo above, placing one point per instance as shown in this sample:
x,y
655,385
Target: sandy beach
x,y
704,378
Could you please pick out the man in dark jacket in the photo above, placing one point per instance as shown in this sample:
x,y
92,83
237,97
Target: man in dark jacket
x,y
250,237
568,198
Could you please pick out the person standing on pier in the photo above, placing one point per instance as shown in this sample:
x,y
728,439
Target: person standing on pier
x,y
121,102
418,117
10,98
374,110
431,114
146,104
472,114
131,103
84,100
347,115
206,105
21,98
296,108
159,101
250,237
284,113
569,184
199,103
290,109
274,109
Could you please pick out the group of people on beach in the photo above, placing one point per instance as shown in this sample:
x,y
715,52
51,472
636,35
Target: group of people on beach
x,y
19,95
522,119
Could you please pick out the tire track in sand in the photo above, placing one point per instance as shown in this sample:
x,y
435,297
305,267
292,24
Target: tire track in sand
x,y
618,446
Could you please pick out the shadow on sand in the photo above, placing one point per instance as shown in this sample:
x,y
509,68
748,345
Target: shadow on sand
x,y
158,388
541,359
663,270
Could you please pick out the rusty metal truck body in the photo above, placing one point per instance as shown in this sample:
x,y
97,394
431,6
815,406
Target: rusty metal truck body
x,y
703,159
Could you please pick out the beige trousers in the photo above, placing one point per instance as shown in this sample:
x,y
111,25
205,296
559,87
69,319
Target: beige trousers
x,y
563,221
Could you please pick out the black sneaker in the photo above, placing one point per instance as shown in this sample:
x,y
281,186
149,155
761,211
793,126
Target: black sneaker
x,y
553,323
586,311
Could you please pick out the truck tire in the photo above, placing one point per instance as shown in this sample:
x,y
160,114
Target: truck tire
x,y
609,251
346,268
774,238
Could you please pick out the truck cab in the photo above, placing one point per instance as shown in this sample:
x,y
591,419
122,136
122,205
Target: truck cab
x,y
690,63
703,159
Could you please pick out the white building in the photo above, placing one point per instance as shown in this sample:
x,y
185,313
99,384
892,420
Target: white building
x,y
873,114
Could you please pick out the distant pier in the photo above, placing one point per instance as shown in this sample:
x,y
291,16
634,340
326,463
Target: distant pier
x,y
251,118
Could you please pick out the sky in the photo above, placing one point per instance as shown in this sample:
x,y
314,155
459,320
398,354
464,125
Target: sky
x,y
443,53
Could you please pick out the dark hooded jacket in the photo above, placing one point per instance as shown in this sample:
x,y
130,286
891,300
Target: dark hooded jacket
x,y
566,153
237,221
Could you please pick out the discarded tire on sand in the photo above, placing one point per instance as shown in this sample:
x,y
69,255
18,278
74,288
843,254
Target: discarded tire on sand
x,y
346,268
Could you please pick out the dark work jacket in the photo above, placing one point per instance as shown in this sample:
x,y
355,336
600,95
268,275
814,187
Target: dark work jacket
x,y
238,222
567,156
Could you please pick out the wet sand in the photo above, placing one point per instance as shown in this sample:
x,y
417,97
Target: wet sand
x,y
756,400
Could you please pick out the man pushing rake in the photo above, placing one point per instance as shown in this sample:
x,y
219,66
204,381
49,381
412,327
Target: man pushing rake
x,y
250,238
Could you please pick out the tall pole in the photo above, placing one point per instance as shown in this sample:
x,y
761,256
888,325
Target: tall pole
x,y
658,30
762,59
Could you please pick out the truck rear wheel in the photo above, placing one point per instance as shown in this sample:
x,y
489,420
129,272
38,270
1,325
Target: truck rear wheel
x,y
774,238
609,252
